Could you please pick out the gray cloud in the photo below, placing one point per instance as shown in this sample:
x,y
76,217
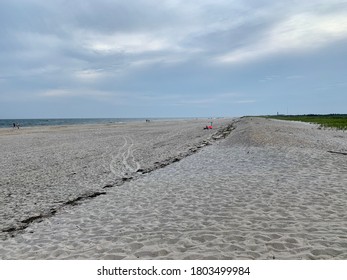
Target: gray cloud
x,y
177,52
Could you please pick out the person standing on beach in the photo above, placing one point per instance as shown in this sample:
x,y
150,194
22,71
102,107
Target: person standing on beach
x,y
14,125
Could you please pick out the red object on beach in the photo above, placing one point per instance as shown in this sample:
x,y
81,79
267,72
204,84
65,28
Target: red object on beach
x,y
210,127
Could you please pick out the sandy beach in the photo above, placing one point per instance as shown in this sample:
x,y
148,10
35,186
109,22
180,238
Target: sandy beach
x,y
46,168
267,189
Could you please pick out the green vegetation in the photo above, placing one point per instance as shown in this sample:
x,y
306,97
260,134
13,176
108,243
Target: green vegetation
x,y
338,121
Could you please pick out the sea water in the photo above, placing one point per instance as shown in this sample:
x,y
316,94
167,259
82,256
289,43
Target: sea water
x,y
48,122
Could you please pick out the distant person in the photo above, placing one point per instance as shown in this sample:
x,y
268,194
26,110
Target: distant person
x,y
14,125
18,125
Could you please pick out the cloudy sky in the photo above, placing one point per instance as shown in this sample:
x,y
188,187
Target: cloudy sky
x,y
172,58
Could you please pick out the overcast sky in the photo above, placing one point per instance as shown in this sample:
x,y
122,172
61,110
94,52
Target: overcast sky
x,y
172,58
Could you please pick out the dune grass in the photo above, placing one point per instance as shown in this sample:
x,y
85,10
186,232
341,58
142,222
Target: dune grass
x,y
338,121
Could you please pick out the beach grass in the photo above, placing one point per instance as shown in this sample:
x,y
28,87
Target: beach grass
x,y
338,121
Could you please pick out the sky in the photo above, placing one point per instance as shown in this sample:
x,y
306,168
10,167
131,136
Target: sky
x,y
172,58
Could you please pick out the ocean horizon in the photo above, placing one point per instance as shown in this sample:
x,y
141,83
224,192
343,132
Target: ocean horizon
x,y
8,123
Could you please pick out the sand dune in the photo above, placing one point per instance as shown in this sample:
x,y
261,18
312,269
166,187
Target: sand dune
x,y
269,190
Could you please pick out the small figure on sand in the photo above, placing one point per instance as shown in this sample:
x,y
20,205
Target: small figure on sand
x,y
14,125
208,127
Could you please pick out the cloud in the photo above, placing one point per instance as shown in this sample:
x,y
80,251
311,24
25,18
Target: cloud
x,y
297,33
90,75
126,43
246,101
269,78
145,53
69,93
207,100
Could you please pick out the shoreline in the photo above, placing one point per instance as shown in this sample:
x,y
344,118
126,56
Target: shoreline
x,y
76,122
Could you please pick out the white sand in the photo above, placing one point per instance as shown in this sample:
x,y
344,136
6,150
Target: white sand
x,y
269,190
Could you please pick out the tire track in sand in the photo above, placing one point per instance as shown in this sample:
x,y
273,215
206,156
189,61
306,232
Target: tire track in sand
x,y
123,162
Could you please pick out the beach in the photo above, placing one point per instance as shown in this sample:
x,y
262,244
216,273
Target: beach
x,y
250,188
46,168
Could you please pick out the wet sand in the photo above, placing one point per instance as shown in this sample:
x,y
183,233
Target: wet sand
x,y
270,189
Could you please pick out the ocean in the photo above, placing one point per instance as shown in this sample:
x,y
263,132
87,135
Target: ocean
x,y
7,123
